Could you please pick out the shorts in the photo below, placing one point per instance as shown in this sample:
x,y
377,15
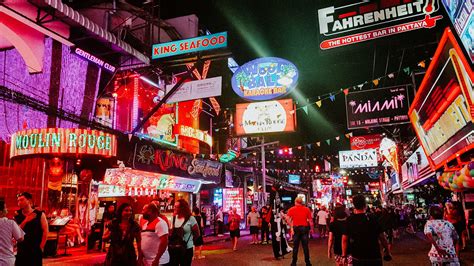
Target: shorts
x,y
253,230
460,227
235,233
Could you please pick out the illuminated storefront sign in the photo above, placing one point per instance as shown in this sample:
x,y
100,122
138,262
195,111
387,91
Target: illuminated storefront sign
x,y
367,20
265,117
91,58
196,89
461,14
195,133
441,113
134,178
233,198
415,168
265,79
201,43
365,142
63,141
358,158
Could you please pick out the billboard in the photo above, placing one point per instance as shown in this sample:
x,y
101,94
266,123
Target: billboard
x,y
201,43
366,142
294,179
441,113
415,167
368,20
265,117
233,198
265,79
358,158
378,107
461,14
196,89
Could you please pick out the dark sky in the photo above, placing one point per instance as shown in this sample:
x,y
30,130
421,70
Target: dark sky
x,y
289,29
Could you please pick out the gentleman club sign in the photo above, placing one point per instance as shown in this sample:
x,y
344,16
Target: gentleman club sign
x,y
148,157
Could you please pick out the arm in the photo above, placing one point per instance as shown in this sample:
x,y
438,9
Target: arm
x,y
345,240
195,230
311,225
161,249
384,242
138,238
440,251
17,233
44,226
330,244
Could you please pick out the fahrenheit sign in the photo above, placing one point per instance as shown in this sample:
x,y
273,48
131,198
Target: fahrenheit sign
x,y
62,141
201,43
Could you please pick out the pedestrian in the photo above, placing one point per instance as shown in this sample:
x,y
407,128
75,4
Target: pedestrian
x,y
301,225
122,232
109,216
234,227
322,218
198,242
455,215
220,222
336,229
8,230
33,222
162,216
362,237
266,215
204,219
253,219
184,229
154,234
442,236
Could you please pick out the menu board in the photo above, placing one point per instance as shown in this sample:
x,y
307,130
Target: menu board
x,y
233,198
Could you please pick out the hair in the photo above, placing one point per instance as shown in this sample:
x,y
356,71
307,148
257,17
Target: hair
x,y
340,212
196,210
27,195
153,208
299,200
183,209
436,212
120,211
359,202
2,205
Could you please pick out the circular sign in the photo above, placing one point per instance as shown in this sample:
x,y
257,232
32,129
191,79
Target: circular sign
x,y
265,79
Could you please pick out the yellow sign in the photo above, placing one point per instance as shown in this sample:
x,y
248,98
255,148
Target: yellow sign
x,y
195,133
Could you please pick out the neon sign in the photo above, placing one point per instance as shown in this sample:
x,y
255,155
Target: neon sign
x,y
63,141
201,43
94,59
195,133
265,79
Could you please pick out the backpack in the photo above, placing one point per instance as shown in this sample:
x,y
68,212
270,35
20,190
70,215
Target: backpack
x,y
176,243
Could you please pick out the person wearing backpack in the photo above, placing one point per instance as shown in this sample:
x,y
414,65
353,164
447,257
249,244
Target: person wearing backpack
x,y
184,229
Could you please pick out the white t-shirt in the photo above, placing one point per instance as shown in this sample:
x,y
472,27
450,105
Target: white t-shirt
x,y
151,241
322,217
8,230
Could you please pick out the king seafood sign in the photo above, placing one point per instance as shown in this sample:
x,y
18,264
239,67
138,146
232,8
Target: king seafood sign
x,y
367,20
148,157
379,107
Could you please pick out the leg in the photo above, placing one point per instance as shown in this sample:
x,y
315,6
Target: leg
x,y
296,239
187,258
304,242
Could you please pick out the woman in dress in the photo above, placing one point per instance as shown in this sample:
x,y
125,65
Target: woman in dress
x,y
198,242
121,232
443,237
336,228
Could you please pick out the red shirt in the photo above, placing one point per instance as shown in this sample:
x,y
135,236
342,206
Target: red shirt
x,y
300,215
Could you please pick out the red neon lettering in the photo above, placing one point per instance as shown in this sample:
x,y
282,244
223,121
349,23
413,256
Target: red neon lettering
x,y
221,39
213,40
205,42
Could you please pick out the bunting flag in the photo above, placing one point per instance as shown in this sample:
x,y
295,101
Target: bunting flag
x,y
376,82
391,75
305,109
346,91
332,97
318,103
308,145
422,64
130,137
406,70
348,135
300,147
272,152
360,86
292,112
328,141
337,138
215,104
318,143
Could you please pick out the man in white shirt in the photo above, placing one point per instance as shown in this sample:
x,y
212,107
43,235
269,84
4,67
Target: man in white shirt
x,y
322,218
220,222
154,245
8,230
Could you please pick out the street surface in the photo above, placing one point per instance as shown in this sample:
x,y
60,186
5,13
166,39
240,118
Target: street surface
x,y
409,250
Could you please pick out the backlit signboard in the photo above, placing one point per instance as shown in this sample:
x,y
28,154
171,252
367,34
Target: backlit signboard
x,y
441,113
201,43
415,167
94,59
63,141
195,133
265,79
361,21
358,158
294,179
196,89
265,117
365,142
233,198
461,14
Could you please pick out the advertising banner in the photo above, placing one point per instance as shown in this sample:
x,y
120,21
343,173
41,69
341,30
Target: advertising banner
x,y
461,15
368,20
265,79
201,43
233,198
358,158
366,142
379,107
265,117
197,89
442,111
104,111
150,157
415,167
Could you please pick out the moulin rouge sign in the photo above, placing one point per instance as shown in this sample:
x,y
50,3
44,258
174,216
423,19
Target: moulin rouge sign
x,y
379,107
367,20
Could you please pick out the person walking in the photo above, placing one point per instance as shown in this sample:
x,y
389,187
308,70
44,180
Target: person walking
x,y
322,218
33,222
336,229
442,236
253,220
8,230
234,227
198,242
184,226
301,223
362,237
266,216
220,222
122,232
154,234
